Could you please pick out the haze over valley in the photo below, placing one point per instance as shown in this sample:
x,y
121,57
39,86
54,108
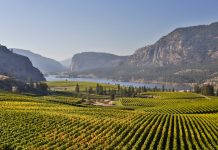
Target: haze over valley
x,y
182,56
108,75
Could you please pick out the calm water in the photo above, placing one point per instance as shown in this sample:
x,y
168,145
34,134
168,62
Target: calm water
x,y
106,81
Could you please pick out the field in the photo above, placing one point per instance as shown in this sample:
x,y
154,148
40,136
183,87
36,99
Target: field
x,y
70,85
169,120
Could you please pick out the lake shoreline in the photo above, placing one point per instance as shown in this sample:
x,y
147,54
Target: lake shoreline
x,y
152,84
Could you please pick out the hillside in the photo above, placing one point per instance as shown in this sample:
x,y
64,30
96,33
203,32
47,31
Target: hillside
x,y
17,66
186,55
93,60
66,63
190,45
44,64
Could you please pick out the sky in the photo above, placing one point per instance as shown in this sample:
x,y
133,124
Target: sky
x,y
59,29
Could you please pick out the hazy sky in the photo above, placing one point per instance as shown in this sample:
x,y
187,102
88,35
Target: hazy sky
x,y
60,28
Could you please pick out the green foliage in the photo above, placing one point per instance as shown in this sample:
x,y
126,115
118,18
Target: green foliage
x,y
100,89
207,90
77,88
70,85
113,95
197,88
56,122
176,103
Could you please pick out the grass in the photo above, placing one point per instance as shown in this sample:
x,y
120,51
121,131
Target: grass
x,y
70,85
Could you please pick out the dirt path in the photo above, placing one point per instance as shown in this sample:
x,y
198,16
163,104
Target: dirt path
x,y
205,97
102,104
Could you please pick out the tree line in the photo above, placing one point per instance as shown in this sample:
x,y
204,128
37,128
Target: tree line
x,y
120,91
206,89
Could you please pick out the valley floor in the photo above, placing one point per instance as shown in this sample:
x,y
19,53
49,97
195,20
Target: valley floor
x,y
168,121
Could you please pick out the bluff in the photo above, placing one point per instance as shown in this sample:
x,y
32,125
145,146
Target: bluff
x,y
17,66
94,60
189,45
188,54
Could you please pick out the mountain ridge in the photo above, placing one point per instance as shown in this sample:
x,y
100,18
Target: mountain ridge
x,y
188,48
44,64
183,45
17,66
94,60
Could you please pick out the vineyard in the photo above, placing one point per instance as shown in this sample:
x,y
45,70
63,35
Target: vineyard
x,y
176,103
166,121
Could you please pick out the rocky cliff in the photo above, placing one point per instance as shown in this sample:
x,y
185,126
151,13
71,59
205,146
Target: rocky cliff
x,y
188,54
17,66
190,45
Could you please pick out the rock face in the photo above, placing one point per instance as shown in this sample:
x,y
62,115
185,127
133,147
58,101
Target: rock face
x,y
92,60
17,66
187,54
190,45
44,64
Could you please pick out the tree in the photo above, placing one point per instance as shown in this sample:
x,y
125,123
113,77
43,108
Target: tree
x,y
197,88
90,91
118,89
97,89
207,90
144,89
105,91
41,87
112,95
101,90
77,88
163,88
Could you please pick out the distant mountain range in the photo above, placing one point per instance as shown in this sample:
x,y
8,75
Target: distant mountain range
x,y
17,66
44,64
187,54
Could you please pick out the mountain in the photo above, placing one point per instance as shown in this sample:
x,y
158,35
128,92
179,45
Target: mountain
x,y
44,64
17,66
66,63
190,45
94,60
188,54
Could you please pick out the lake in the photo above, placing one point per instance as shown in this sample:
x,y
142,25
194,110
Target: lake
x,y
113,82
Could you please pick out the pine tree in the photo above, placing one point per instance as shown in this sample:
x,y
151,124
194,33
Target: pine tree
x,y
144,89
97,89
90,91
207,90
118,88
197,89
112,95
77,88
163,88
